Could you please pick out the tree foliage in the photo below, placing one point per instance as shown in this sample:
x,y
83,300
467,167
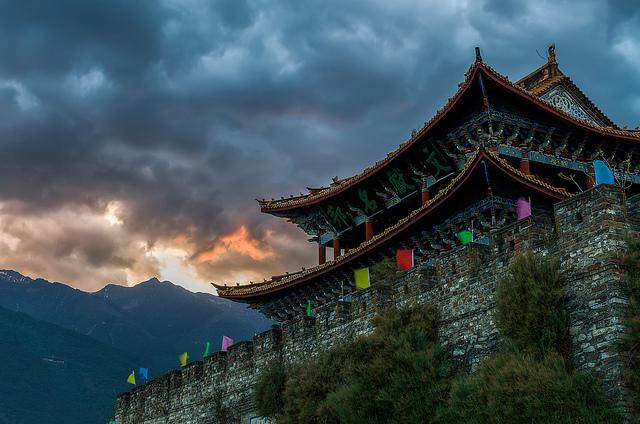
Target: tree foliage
x,y
519,388
269,390
397,374
530,313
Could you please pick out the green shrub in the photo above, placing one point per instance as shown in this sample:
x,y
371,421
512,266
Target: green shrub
x,y
269,390
518,388
397,374
530,312
630,344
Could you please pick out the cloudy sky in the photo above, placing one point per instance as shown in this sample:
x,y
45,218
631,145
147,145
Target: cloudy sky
x,y
135,136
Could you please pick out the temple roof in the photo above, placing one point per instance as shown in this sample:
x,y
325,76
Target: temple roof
x,y
532,89
252,291
549,83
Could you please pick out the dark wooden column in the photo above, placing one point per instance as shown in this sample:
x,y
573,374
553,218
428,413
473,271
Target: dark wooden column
x,y
591,180
524,164
322,254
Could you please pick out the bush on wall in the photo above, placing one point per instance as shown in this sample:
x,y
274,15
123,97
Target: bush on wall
x,y
530,312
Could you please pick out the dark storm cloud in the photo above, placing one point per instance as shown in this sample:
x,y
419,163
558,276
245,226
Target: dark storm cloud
x,y
177,114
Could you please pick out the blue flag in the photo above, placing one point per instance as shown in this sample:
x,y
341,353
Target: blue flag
x,y
144,373
603,173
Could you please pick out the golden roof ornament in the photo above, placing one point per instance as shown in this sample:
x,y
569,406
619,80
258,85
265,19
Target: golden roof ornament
x,y
551,53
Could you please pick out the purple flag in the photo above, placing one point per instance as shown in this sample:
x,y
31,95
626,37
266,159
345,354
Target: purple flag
x,y
227,342
523,208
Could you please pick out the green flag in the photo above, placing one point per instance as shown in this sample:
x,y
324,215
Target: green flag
x,y
207,349
465,236
308,308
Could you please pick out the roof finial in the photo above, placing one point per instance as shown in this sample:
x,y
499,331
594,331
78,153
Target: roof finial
x,y
478,56
551,53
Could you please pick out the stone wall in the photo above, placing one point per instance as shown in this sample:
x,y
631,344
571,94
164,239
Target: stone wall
x,y
587,233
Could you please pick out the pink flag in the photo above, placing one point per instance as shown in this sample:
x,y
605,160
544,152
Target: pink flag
x,y
523,208
227,342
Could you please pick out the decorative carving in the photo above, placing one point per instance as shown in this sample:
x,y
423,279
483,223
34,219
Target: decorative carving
x,y
396,179
369,205
559,98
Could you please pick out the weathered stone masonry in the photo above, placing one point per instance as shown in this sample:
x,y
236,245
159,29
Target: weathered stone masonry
x,y
587,232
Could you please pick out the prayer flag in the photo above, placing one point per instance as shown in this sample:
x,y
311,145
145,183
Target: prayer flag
x,y
183,359
603,173
465,237
308,308
523,208
144,373
132,378
404,259
227,342
362,278
207,350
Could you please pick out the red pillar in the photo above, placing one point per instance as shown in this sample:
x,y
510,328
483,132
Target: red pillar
x,y
425,195
591,182
336,248
368,230
322,254
425,191
524,165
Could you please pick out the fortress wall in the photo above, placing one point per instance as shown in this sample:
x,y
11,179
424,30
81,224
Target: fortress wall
x,y
587,234
592,229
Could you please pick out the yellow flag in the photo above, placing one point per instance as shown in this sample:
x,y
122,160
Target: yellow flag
x,y
132,378
362,278
183,359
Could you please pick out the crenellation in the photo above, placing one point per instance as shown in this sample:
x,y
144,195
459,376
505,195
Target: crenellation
x,y
586,232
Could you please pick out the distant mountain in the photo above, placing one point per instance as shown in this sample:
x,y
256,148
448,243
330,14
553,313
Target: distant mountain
x,y
154,321
53,375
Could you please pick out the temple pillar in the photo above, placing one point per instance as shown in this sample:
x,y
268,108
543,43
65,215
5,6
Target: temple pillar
x,y
425,191
590,178
368,230
336,248
524,164
322,254
425,195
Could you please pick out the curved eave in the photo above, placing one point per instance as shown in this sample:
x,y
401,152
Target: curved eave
x,y
252,292
296,202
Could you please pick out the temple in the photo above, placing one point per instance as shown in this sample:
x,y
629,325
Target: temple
x,y
493,143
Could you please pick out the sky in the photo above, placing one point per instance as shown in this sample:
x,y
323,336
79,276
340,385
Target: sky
x,y
135,136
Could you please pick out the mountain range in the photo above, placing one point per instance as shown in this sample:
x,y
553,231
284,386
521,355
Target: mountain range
x,y
99,338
